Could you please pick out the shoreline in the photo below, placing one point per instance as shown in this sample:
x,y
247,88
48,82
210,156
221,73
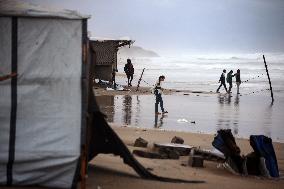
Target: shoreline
x,y
101,90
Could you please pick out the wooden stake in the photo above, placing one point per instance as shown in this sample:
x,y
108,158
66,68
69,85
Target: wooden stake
x,y
268,79
140,79
83,167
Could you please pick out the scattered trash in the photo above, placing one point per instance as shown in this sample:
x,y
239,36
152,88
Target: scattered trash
x,y
195,161
140,142
182,120
151,155
192,122
209,154
109,89
182,149
177,140
261,162
169,153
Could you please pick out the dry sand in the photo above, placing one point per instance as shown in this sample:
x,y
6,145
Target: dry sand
x,y
110,172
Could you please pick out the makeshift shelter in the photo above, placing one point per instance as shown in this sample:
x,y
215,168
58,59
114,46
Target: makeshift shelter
x,y
103,54
43,113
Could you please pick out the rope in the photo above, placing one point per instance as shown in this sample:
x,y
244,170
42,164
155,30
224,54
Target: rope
x,y
254,92
251,78
147,83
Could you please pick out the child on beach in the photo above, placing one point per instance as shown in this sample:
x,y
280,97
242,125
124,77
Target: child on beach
x,y
238,80
129,70
230,80
158,93
222,80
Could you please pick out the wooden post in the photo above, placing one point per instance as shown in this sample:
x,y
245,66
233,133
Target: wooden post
x,y
140,79
83,167
268,79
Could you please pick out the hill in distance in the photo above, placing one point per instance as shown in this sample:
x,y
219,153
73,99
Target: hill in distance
x,y
136,51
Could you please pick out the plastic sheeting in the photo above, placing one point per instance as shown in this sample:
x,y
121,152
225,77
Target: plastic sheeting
x,y
5,94
48,122
21,8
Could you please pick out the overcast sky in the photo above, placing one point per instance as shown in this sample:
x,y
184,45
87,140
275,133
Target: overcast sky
x,y
201,26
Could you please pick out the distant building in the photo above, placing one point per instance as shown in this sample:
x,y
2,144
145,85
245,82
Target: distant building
x,y
103,54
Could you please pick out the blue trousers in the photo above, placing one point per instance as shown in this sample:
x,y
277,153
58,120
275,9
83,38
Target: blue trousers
x,y
159,99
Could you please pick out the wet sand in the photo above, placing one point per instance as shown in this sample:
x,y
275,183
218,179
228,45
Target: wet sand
x,y
200,112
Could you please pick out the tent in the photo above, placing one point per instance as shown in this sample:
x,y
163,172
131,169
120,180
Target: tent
x,y
43,113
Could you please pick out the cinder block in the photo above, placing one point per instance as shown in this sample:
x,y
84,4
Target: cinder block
x,y
195,161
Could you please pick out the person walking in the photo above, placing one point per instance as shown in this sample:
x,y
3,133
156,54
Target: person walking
x,y
223,81
238,80
158,93
230,80
129,70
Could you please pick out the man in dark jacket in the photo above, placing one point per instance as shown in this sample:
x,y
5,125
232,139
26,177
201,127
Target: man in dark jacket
x,y
129,70
230,80
223,81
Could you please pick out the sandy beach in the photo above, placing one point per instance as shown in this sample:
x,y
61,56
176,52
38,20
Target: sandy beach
x,y
108,171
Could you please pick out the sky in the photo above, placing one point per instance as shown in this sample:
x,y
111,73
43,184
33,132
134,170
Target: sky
x,y
186,26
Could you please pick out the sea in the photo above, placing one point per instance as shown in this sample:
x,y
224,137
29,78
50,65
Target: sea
x,y
249,113
202,72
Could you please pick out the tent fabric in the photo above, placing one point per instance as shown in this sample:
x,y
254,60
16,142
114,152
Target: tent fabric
x,y
49,101
5,94
20,8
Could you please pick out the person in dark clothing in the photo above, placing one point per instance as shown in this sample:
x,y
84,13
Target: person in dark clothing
x,y
230,80
238,80
158,93
223,81
129,70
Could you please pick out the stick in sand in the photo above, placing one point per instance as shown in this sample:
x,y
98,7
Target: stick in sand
x,y
268,79
140,79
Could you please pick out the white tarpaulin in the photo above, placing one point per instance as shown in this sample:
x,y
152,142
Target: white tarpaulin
x,y
48,100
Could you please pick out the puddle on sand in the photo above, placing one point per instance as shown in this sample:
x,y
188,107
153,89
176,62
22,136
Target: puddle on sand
x,y
244,115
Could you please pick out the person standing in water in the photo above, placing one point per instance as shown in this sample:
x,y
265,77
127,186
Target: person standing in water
x,y
230,80
238,80
223,81
129,70
158,93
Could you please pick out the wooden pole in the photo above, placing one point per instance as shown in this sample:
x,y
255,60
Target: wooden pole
x,y
140,79
268,78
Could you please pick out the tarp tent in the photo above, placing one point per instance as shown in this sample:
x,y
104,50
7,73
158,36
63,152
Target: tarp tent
x,y
43,109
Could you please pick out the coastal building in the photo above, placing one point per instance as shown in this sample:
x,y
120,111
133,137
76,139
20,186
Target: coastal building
x,y
103,55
